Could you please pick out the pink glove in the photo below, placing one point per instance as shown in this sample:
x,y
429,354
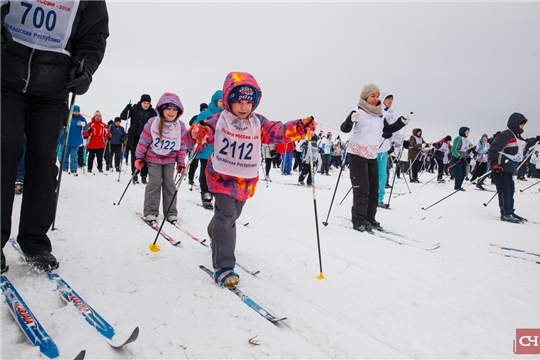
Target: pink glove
x,y
139,164
199,133
180,168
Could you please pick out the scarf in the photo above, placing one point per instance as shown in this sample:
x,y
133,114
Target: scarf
x,y
370,109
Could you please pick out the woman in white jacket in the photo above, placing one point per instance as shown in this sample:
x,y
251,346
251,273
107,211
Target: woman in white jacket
x,y
367,125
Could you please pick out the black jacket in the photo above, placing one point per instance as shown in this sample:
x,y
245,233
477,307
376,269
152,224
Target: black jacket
x,y
46,73
136,125
506,143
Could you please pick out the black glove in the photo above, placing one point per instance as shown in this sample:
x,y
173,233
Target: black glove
x,y
406,144
128,107
79,79
391,150
89,131
386,135
468,160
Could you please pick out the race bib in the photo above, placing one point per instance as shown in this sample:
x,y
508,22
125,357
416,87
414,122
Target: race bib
x,y
42,24
169,140
237,146
521,149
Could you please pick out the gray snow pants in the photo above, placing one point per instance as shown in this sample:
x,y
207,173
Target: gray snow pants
x,y
161,179
222,230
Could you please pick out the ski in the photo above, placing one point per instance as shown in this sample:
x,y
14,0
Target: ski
x,y
27,321
203,243
90,315
247,300
513,249
378,234
388,232
154,226
516,257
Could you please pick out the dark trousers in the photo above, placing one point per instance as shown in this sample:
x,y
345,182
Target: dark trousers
x,y
144,170
460,170
479,170
192,168
364,175
415,168
267,166
306,170
505,191
202,176
440,168
41,119
80,155
297,160
325,166
98,154
222,230
116,150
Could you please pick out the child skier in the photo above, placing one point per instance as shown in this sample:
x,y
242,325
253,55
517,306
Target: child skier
x,y
460,156
160,147
505,154
368,128
232,170
309,148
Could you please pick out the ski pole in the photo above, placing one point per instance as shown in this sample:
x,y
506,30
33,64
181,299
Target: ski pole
x,y
121,158
325,223
441,200
529,186
346,195
154,247
321,275
63,156
129,183
393,181
486,204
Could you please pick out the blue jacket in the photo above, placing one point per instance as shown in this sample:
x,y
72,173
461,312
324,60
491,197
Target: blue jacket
x,y
118,134
212,109
75,138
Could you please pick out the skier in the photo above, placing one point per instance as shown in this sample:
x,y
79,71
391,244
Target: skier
x,y
139,115
75,139
37,76
460,156
481,161
160,146
232,171
118,136
505,154
195,162
309,149
96,134
415,153
440,155
368,126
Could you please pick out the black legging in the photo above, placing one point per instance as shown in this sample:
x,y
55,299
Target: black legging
x,y
267,166
92,153
479,170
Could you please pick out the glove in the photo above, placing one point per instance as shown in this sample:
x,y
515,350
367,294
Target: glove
x,y
406,144
386,135
391,150
355,117
405,120
309,124
109,137
89,131
139,164
81,123
79,79
462,158
128,106
180,168
199,133
496,167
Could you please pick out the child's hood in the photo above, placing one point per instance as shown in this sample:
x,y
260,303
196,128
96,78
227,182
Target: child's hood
x,y
235,79
462,131
384,94
213,102
170,98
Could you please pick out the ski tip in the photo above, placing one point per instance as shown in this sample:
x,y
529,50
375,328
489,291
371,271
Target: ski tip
x,y
81,355
115,343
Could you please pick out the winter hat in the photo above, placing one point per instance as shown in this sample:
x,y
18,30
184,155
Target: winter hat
x,y
242,92
117,119
368,90
314,137
97,113
146,97
462,131
385,93
203,106
485,136
76,108
448,138
170,100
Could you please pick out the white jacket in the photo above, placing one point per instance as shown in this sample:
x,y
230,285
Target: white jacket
x,y
366,135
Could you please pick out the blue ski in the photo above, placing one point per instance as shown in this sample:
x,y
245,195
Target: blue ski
x,y
28,323
513,249
90,315
247,300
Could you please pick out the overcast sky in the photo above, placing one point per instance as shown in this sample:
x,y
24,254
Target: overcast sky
x,y
453,64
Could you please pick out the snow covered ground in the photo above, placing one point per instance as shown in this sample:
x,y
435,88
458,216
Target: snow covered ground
x,y
379,299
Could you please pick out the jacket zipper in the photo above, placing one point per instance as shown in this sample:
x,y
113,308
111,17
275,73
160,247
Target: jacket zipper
x,y
28,78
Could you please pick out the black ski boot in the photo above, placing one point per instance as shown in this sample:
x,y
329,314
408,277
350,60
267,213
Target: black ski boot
x,y
510,219
364,228
42,260
520,218
376,225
